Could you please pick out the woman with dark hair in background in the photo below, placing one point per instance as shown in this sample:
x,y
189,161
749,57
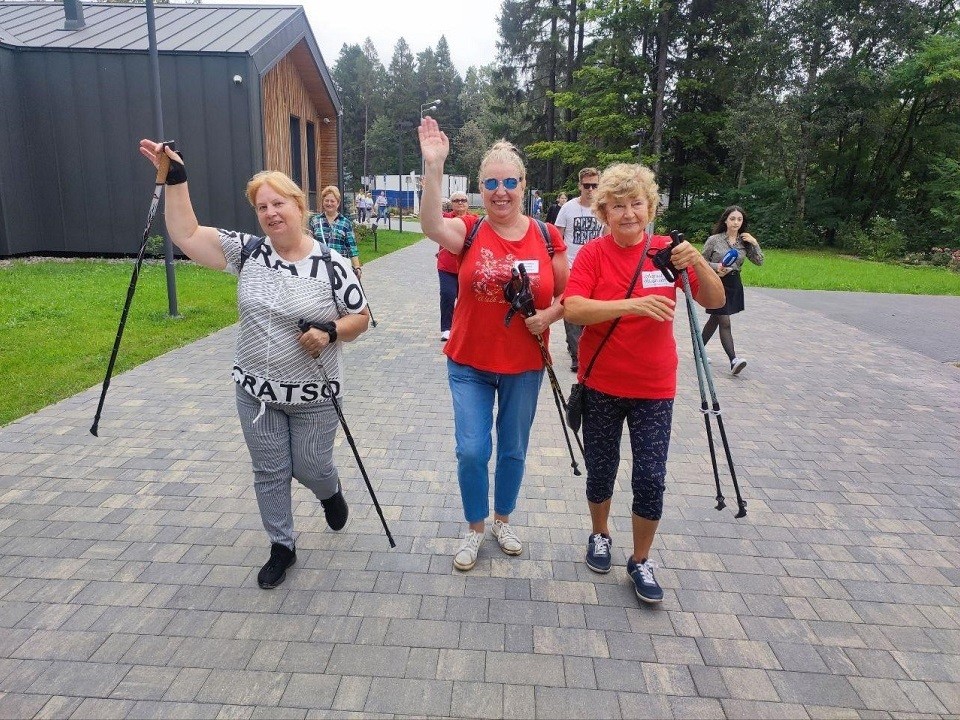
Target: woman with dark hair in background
x,y
729,233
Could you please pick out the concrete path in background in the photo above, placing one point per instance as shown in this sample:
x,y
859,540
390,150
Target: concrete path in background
x,y
128,562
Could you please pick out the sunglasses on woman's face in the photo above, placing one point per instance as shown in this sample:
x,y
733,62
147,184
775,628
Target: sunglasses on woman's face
x,y
459,200
509,183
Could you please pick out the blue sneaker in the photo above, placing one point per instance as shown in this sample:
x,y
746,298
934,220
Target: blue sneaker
x,y
644,583
598,553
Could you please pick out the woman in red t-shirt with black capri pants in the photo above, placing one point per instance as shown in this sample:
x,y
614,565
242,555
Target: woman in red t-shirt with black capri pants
x,y
487,361
634,376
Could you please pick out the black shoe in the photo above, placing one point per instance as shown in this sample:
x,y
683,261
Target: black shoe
x,y
275,571
336,511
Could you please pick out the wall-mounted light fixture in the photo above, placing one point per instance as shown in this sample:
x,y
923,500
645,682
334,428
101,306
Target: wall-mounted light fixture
x,y
238,79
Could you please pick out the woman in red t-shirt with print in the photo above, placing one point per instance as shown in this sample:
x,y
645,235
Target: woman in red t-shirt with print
x,y
634,375
488,361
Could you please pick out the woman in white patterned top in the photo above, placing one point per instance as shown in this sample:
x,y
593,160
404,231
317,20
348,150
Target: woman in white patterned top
x,y
284,404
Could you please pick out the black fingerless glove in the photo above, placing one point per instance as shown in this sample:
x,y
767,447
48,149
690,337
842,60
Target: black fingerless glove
x,y
177,173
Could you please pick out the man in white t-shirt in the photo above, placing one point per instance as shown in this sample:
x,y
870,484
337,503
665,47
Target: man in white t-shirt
x,y
579,226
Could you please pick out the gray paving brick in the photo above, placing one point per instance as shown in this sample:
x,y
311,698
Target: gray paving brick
x,y
19,705
534,669
476,700
78,678
814,689
310,691
411,697
574,703
243,687
145,683
637,705
368,660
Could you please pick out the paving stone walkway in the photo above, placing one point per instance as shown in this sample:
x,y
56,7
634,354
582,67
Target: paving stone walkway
x,y
128,562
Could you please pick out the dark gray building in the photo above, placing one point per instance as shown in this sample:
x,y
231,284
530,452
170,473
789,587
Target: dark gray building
x,y
244,88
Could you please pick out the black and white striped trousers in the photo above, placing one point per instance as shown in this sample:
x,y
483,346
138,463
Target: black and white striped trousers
x,y
286,442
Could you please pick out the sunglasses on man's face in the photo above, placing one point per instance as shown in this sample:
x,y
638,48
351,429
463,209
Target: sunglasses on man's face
x,y
509,183
589,186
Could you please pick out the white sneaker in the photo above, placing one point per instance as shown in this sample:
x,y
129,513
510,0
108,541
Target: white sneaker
x,y
445,335
506,537
466,556
736,365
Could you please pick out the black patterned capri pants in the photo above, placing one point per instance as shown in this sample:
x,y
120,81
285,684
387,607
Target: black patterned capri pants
x,y
648,422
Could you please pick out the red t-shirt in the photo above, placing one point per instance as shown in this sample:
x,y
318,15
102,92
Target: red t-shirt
x,y
478,337
640,358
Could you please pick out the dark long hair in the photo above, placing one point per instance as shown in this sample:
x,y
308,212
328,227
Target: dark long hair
x,y
721,226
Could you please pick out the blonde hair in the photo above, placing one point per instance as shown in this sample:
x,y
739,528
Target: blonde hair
x,y
330,190
622,181
281,183
505,152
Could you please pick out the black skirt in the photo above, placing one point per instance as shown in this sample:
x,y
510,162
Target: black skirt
x,y
733,286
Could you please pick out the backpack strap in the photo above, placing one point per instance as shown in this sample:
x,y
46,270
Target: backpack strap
x,y
544,231
468,241
248,249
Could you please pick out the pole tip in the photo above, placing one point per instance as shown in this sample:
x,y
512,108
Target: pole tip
x,y
93,431
392,543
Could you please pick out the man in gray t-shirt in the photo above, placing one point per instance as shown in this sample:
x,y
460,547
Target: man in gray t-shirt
x,y
579,226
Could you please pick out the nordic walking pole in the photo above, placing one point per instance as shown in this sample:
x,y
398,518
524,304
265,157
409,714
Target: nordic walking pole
x,y
699,361
369,309
304,327
700,351
517,293
162,169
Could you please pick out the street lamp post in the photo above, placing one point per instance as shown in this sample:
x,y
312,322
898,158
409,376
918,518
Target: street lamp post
x,y
401,128
426,107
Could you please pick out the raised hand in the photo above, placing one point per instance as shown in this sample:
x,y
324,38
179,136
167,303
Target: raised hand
x,y
152,151
434,144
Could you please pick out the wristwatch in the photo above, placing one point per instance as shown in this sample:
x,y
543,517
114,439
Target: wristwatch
x,y
330,328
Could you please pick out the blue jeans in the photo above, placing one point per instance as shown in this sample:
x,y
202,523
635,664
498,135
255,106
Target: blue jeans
x,y
473,394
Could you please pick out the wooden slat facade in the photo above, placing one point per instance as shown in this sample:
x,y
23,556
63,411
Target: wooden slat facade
x,y
293,87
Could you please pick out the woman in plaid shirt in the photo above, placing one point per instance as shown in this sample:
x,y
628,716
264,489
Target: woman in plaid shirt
x,y
333,229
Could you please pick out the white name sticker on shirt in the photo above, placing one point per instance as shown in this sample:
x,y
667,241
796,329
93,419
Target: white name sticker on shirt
x,y
655,278
531,266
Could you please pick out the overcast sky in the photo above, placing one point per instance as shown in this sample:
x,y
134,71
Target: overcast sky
x,y
470,27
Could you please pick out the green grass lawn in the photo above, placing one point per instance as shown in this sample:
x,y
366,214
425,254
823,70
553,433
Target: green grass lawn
x,y
822,270
59,319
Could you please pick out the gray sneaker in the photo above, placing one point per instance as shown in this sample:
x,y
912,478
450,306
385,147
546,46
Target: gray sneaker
x,y
736,365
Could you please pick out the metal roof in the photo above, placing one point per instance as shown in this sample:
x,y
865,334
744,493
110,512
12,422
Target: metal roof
x,y
114,27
